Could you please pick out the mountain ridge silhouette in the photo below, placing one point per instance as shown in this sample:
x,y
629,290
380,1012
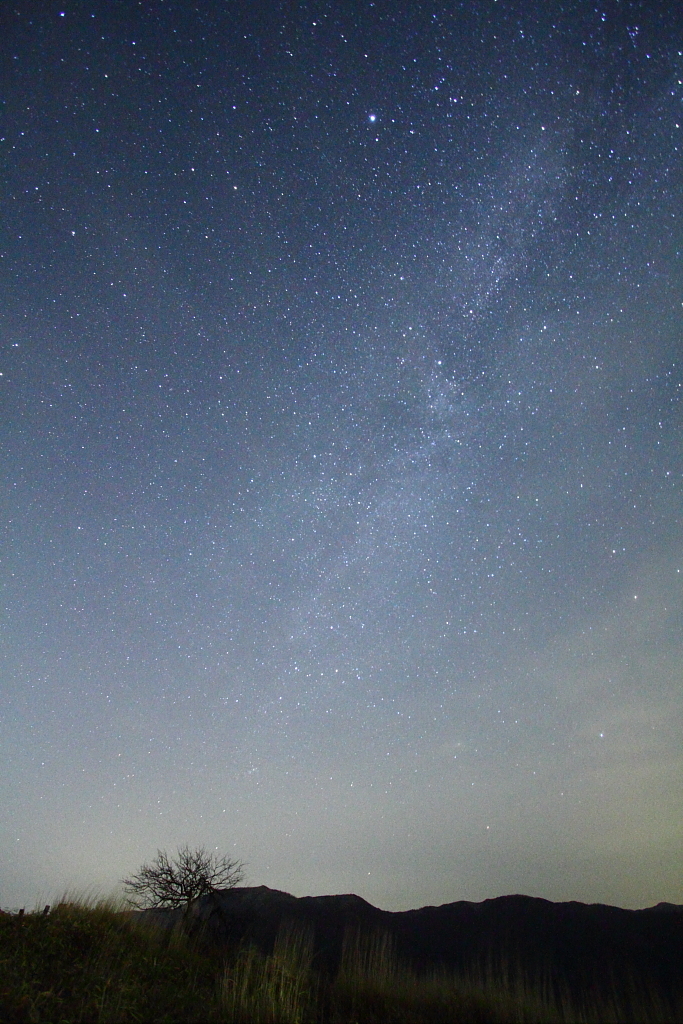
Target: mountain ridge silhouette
x,y
582,945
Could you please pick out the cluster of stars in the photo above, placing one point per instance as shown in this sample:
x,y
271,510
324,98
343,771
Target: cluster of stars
x,y
341,364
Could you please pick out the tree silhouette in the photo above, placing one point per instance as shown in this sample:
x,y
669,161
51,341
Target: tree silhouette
x,y
174,882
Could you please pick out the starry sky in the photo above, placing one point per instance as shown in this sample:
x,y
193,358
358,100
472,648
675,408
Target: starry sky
x,y
341,420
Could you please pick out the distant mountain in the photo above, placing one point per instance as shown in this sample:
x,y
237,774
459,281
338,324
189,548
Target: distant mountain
x,y
666,908
580,945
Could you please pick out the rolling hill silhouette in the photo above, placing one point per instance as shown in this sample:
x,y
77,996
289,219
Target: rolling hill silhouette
x,y
582,946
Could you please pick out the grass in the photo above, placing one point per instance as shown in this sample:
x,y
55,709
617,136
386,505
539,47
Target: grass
x,y
93,962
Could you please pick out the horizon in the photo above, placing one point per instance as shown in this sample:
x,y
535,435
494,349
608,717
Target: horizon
x,y
116,896
341,395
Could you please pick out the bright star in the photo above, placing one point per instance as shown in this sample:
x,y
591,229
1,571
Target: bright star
x,y
372,117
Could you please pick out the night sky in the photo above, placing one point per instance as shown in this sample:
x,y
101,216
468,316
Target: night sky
x,y
342,445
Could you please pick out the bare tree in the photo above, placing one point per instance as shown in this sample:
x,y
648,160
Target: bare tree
x,y
176,882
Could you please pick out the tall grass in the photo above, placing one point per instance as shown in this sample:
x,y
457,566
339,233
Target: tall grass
x,y
276,989
89,961
372,985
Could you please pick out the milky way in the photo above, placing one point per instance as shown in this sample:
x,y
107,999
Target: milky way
x,y
342,458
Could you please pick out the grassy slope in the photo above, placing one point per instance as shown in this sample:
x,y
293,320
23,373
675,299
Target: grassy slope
x,y
94,963
83,963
